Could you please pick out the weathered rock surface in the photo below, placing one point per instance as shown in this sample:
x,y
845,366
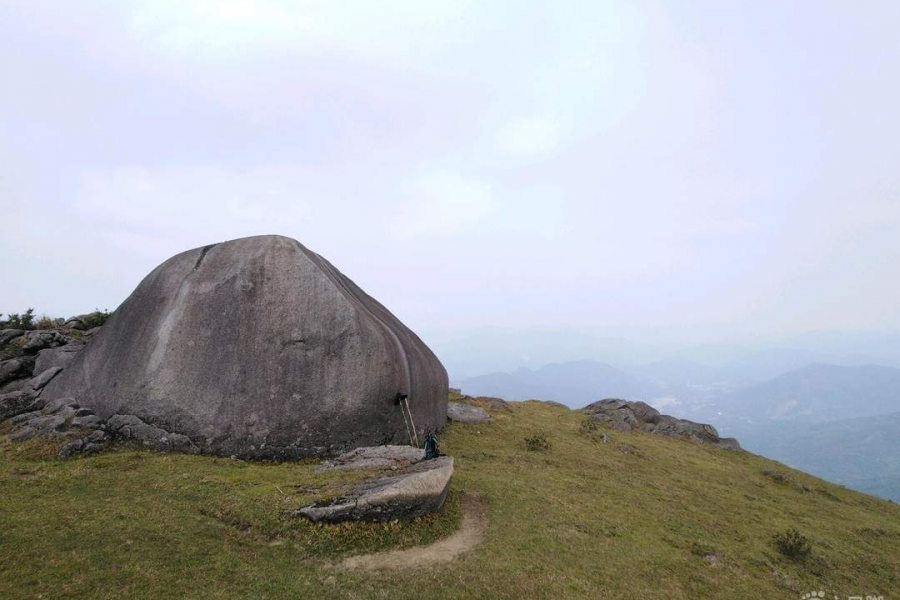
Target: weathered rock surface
x,y
374,457
15,368
258,347
416,490
628,416
44,378
15,403
61,356
465,413
14,386
7,335
130,427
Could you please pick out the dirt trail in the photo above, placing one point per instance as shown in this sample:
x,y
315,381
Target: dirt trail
x,y
474,523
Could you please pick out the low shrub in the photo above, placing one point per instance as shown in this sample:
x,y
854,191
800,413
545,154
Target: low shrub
x,y
778,476
793,544
96,318
589,425
591,429
17,321
46,322
538,442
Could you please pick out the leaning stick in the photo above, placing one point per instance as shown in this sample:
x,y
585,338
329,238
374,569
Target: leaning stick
x,y
415,435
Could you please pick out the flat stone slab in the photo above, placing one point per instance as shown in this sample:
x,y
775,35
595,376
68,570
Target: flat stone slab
x,y
464,413
44,378
416,490
373,457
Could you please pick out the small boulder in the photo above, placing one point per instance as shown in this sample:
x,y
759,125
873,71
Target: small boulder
x,y
8,335
730,443
76,323
16,368
416,490
494,403
15,403
464,413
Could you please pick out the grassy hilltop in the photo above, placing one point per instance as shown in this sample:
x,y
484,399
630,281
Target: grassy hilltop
x,y
635,516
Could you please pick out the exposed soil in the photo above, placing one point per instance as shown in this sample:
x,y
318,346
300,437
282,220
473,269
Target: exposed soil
x,y
474,523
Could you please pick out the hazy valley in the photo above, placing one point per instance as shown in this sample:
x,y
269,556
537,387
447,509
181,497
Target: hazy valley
x,y
831,412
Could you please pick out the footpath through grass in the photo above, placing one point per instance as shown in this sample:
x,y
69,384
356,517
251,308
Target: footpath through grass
x,y
637,516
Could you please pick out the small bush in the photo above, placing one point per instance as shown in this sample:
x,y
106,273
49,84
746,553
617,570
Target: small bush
x,y
46,322
778,476
17,321
591,429
96,318
538,442
589,425
793,544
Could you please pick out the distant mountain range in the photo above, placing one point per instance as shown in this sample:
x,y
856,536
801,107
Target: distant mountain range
x,y
574,383
738,388
490,350
818,393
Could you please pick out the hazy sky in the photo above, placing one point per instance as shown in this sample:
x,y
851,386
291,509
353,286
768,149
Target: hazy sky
x,y
617,167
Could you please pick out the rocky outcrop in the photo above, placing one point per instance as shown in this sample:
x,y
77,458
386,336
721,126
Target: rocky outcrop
x,y
35,341
63,420
630,416
32,360
23,374
258,348
466,413
373,457
132,428
412,492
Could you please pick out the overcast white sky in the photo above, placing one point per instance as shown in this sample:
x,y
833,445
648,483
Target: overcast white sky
x,y
633,167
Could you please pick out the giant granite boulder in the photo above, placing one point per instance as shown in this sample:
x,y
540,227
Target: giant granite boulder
x,y
259,348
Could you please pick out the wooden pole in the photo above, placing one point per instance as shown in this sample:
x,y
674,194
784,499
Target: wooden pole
x,y
405,422
415,435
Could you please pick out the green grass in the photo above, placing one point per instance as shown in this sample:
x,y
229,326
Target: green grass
x,y
634,517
